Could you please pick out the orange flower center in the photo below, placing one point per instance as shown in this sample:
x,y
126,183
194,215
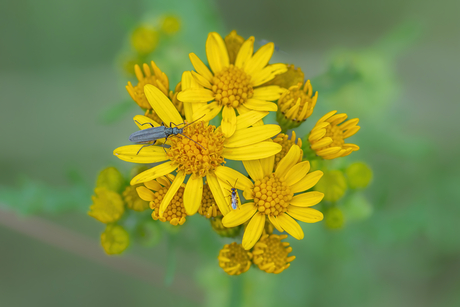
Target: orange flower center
x,y
232,86
336,134
208,206
271,195
200,156
175,209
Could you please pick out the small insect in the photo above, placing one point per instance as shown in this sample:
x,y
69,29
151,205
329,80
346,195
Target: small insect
x,y
234,195
156,133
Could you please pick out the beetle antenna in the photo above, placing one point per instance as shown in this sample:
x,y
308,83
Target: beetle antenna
x,y
193,141
194,121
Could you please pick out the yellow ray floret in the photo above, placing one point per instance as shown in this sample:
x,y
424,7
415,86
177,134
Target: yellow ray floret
x,y
271,196
233,87
328,136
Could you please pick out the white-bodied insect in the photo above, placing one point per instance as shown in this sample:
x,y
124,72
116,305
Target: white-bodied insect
x,y
234,195
161,132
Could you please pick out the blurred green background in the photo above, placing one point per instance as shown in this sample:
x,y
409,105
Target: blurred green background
x,y
60,77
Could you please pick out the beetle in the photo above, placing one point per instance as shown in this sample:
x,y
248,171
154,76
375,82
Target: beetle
x,y
234,195
156,133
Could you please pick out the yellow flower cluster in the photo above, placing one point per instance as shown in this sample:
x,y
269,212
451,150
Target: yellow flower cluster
x,y
240,173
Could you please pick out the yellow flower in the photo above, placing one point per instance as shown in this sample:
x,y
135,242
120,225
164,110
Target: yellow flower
x,y
233,86
107,205
233,42
359,175
327,138
174,213
296,105
170,24
293,76
114,239
202,157
144,39
233,259
208,206
286,143
110,178
272,196
333,185
132,199
271,255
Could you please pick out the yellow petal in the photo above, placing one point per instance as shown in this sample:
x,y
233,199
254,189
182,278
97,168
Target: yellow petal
x,y
143,122
351,132
162,105
268,73
153,185
325,117
175,185
260,105
307,215
200,67
307,199
322,143
194,95
239,216
148,154
253,231
254,169
260,59
201,80
349,124
228,121
328,151
269,93
267,165
249,118
145,194
252,135
216,191
256,151
193,195
307,182
291,159
154,172
216,51
207,111
230,175
188,82
275,223
297,172
315,135
290,226
245,52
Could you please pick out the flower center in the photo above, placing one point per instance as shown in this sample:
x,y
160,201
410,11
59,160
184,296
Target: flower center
x,y
289,100
232,86
234,259
208,206
271,195
175,209
200,156
271,255
336,133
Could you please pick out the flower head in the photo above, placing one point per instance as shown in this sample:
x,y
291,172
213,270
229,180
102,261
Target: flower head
x,y
292,77
170,24
144,39
272,195
286,143
107,207
114,239
234,259
157,192
296,105
198,150
132,199
233,42
327,138
208,206
221,230
333,185
229,87
359,175
334,218
271,255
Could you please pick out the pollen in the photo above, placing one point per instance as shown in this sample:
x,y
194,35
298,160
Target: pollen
x,y
175,212
200,151
271,255
272,195
208,206
232,86
297,104
286,143
234,259
132,199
